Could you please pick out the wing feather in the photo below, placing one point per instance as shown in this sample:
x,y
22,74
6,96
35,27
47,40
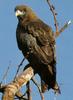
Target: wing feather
x,y
45,41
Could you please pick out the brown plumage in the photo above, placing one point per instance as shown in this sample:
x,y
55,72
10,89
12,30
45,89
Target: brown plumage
x,y
36,41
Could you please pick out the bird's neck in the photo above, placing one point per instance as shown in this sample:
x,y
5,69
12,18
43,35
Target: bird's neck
x,y
27,19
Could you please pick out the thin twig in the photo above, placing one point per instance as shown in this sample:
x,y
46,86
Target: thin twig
x,y
19,67
41,94
29,91
25,92
52,8
65,26
5,74
20,96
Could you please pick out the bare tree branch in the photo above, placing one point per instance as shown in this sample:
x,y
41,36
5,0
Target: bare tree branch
x,y
39,88
57,33
29,91
19,67
52,8
65,26
14,86
20,96
5,74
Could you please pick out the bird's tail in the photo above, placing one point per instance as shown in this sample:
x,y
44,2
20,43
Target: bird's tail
x,y
56,89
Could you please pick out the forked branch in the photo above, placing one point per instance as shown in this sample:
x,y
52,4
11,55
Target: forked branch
x,y
14,86
52,8
57,33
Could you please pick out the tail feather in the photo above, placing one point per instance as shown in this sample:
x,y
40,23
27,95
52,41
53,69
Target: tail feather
x,y
56,89
44,87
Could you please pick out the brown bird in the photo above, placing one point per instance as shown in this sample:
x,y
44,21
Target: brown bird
x,y
37,42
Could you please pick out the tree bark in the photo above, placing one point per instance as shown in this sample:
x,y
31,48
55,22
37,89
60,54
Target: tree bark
x,y
14,86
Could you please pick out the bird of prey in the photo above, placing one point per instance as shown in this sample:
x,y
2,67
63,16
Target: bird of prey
x,y
37,42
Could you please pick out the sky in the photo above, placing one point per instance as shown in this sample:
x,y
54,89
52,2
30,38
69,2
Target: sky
x,y
11,56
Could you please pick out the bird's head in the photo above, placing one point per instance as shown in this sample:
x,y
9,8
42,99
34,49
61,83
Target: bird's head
x,y
24,12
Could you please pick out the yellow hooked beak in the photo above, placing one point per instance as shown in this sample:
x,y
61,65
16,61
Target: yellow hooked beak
x,y
19,13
